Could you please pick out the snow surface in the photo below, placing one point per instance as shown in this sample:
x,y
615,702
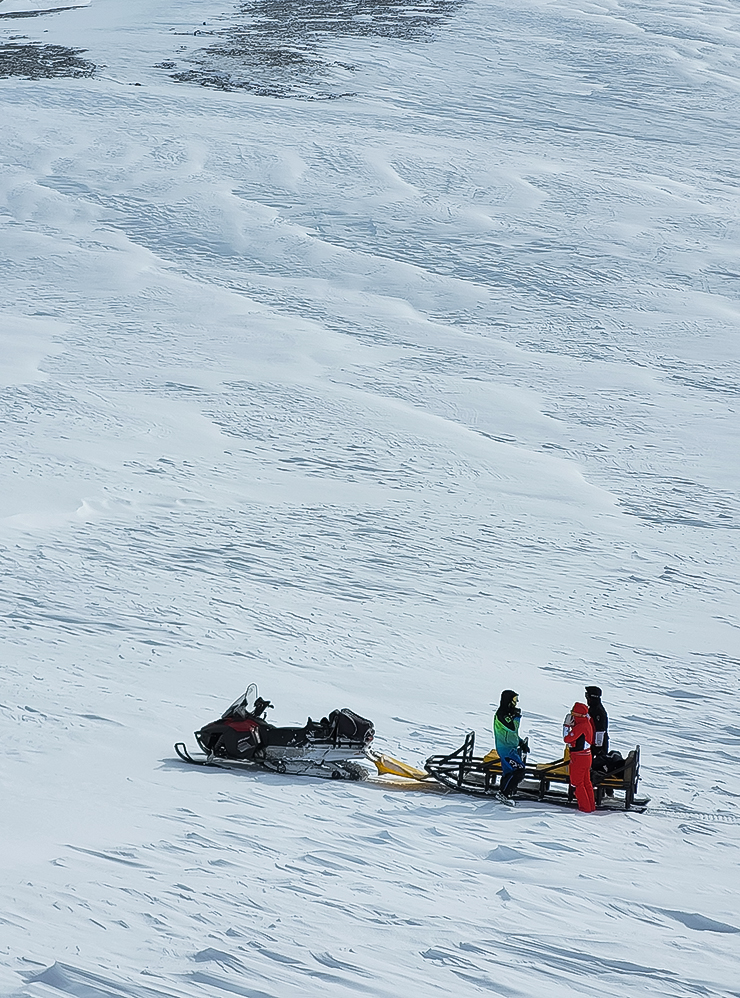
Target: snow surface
x,y
395,365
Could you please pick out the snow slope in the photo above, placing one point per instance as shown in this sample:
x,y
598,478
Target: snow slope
x,y
387,356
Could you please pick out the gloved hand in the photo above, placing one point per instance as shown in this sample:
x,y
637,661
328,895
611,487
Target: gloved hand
x,y
568,722
524,745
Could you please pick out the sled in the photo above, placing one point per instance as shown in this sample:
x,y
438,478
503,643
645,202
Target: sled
x,y
465,772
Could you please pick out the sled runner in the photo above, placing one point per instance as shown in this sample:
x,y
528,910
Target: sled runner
x,y
465,772
331,748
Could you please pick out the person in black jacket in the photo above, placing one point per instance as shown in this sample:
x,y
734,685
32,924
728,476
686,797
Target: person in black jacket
x,y
600,721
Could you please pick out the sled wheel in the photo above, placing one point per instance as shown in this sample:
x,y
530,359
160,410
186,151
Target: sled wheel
x,y
280,767
337,774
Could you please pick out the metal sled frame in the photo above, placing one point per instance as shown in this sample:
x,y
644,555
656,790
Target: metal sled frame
x,y
467,773
461,770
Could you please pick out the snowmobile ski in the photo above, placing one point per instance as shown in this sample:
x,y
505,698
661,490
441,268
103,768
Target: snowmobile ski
x,y
182,750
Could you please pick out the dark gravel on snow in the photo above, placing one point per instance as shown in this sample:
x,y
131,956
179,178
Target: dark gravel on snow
x,y
276,48
35,62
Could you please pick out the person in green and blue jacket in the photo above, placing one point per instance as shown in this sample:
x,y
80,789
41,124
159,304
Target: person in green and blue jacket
x,y
509,745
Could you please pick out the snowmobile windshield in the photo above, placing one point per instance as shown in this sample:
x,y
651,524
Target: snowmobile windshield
x,y
244,704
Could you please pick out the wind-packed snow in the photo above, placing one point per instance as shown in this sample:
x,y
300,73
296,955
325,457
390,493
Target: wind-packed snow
x,y
387,356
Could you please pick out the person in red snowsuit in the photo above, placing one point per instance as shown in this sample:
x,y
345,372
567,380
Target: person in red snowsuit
x,y
578,734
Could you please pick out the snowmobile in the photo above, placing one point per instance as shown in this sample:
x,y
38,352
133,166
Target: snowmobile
x,y
243,737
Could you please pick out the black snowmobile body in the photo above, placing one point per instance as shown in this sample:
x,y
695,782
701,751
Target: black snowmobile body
x,y
242,736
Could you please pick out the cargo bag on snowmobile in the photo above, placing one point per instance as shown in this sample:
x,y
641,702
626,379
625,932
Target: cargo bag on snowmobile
x,y
346,726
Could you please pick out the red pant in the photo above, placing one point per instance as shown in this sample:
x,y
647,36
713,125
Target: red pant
x,y
580,778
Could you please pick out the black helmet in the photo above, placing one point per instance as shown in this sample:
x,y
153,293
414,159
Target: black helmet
x,y
593,692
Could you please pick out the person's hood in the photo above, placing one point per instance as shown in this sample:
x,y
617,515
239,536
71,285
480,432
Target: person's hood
x,y
580,710
507,698
506,708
